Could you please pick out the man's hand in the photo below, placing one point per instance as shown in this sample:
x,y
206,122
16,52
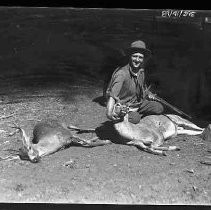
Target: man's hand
x,y
113,116
151,96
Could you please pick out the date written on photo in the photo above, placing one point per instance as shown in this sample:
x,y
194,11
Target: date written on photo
x,y
178,13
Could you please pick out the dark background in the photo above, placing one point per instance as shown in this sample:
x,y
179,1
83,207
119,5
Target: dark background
x,y
52,44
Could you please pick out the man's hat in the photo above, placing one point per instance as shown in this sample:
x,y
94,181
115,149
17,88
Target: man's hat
x,y
138,46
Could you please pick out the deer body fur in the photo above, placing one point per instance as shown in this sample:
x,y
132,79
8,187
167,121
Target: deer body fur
x,y
151,132
49,136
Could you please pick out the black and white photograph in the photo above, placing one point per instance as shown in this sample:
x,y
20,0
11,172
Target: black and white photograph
x,y
105,106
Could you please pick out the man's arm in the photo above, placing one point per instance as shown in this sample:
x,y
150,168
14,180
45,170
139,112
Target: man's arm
x,y
114,93
110,110
149,94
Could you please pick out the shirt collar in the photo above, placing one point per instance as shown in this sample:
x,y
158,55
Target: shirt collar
x,y
136,74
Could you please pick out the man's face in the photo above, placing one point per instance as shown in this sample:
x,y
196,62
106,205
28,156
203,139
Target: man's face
x,y
137,60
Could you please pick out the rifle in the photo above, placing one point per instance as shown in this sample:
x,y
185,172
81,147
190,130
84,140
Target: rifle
x,y
157,98
171,106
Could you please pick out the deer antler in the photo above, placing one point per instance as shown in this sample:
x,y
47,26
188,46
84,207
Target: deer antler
x,y
14,126
24,136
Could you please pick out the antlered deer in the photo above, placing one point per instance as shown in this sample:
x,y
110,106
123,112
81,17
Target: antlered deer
x,y
50,136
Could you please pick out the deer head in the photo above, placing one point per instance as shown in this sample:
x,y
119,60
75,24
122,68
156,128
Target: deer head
x,y
121,110
27,151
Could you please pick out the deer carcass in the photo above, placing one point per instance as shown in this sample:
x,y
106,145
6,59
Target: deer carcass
x,y
152,130
49,136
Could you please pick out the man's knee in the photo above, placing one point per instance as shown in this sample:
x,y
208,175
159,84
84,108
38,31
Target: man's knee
x,y
158,108
155,107
151,107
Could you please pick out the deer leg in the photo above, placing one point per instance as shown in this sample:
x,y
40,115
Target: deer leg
x,y
183,122
181,130
91,142
100,143
11,157
79,140
146,148
156,145
196,127
191,125
155,151
91,130
169,148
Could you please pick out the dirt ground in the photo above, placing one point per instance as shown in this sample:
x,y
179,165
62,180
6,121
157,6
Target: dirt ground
x,y
111,174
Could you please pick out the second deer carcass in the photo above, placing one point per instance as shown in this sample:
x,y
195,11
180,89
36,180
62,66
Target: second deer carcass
x,y
50,136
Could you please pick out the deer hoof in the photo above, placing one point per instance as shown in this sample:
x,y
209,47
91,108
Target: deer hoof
x,y
174,148
164,154
107,142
